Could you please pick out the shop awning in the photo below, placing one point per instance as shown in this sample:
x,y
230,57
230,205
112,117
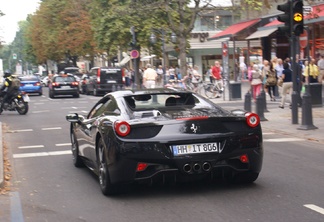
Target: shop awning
x,y
234,29
262,33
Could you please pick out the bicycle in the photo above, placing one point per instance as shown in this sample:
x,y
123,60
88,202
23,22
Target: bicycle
x,y
212,90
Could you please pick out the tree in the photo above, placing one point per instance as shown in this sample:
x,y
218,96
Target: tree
x,y
61,30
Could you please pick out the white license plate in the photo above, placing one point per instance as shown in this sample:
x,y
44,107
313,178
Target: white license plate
x,y
111,81
29,85
65,87
26,98
179,150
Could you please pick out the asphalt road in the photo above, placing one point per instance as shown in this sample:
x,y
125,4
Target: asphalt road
x,y
47,187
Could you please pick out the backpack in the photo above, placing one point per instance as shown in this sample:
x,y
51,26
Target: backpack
x,y
15,83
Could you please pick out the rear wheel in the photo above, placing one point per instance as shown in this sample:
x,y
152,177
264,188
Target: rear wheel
x,y
104,180
22,107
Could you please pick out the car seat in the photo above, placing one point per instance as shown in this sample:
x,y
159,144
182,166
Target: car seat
x,y
171,101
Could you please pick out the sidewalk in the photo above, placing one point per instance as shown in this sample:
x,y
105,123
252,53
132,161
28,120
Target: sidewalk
x,y
280,120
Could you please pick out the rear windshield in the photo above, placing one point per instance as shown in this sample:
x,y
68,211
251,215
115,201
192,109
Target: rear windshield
x,y
64,79
156,101
110,71
29,78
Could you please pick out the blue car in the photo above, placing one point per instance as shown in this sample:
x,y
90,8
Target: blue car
x,y
31,84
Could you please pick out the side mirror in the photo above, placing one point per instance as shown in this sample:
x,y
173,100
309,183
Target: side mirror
x,y
74,118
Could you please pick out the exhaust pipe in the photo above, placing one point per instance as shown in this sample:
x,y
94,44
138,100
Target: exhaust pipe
x,y
186,168
196,167
206,166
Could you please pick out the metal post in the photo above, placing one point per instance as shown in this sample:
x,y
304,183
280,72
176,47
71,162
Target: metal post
x,y
247,102
307,116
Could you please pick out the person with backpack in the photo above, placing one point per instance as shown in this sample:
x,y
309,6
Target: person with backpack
x,y
10,86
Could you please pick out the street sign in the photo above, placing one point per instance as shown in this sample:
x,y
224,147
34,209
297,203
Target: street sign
x,y
303,39
307,9
134,54
14,56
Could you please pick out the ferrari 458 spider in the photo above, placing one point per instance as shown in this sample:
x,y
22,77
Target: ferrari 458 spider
x,y
165,134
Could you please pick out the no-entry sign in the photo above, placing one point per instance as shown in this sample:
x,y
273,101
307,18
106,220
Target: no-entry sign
x,y
303,39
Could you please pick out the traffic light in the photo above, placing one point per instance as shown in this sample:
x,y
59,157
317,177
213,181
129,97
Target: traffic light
x,y
286,17
298,17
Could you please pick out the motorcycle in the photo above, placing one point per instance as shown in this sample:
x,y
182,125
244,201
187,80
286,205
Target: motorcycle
x,y
18,102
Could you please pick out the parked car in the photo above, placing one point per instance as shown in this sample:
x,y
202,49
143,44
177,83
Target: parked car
x,y
101,80
63,84
153,135
31,84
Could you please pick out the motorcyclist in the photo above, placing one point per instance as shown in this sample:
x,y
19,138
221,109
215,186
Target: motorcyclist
x,y
6,89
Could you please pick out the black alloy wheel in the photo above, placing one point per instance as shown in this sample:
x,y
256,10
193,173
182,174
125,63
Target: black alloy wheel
x,y
104,180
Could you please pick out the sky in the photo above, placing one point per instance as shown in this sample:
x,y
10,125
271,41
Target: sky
x,y
15,11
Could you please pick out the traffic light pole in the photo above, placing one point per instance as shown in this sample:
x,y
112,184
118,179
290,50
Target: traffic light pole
x,y
294,96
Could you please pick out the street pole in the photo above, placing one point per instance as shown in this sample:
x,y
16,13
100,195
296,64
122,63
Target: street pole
x,y
294,96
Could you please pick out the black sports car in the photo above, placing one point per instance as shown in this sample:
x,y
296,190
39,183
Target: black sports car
x,y
146,135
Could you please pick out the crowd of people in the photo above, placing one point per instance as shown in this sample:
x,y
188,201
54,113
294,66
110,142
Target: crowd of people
x,y
278,73
271,76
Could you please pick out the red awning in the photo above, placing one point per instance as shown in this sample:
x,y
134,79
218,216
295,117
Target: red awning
x,y
234,29
273,23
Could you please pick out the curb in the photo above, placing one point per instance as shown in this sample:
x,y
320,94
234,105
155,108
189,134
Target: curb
x,y
1,158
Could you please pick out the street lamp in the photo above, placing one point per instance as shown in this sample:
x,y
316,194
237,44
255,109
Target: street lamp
x,y
153,40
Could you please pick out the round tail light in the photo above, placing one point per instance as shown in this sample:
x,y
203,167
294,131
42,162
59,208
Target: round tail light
x,y
252,119
122,128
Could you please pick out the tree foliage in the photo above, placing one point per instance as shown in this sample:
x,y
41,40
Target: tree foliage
x,y
61,30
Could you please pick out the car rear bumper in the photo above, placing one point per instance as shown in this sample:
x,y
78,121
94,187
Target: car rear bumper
x,y
184,168
71,91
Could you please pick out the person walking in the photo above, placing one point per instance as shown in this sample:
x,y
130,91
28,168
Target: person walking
x,y
149,77
256,81
271,81
159,79
320,65
196,78
287,83
311,72
217,76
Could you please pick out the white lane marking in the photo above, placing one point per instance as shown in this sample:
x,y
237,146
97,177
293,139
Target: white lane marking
x,y
30,147
52,128
283,140
63,144
54,153
22,130
38,103
268,133
315,208
41,111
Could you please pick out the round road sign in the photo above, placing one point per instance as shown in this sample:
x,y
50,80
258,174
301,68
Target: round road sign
x,y
134,54
303,39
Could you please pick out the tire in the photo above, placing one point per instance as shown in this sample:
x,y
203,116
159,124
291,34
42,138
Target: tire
x,y
104,180
77,95
209,92
77,161
22,108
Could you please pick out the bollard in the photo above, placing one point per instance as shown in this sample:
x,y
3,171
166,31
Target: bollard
x,y
260,108
307,116
264,101
247,102
118,87
113,88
